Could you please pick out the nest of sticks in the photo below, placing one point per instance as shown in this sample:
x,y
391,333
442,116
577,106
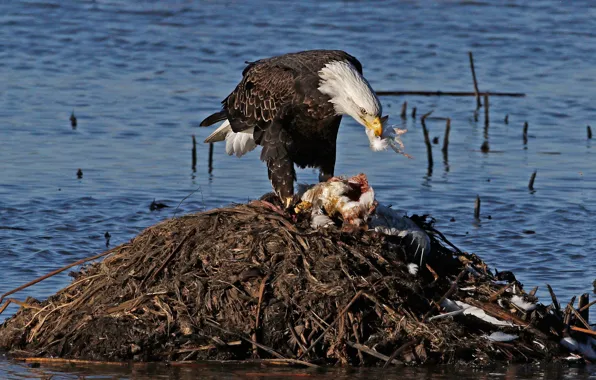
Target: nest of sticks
x,y
249,281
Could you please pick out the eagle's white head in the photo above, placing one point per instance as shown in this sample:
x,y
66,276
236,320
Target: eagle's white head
x,y
351,94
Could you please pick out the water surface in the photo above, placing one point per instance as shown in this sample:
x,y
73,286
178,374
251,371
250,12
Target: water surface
x,y
140,76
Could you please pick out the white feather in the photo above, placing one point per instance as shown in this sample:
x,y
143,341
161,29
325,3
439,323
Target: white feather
x,y
413,269
468,309
522,304
220,133
320,221
240,143
499,336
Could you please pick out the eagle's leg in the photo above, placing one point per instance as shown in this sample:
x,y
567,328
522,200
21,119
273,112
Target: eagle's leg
x,y
326,171
282,176
275,142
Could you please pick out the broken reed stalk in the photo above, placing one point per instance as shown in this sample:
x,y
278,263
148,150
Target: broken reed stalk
x,y
400,350
404,110
477,207
532,178
449,292
194,153
210,158
446,138
567,318
429,149
589,132
584,299
414,113
586,307
525,133
476,92
344,310
580,318
370,352
258,314
556,304
506,119
53,273
450,93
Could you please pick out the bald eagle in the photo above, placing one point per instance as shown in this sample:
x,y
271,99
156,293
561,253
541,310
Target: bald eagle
x,y
292,106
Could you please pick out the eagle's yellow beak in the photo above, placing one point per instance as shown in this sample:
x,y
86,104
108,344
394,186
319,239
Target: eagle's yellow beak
x,y
376,126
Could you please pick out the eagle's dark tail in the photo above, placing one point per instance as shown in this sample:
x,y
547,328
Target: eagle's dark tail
x,y
218,116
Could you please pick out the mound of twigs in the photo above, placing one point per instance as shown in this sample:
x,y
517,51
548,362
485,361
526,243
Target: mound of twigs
x,y
249,282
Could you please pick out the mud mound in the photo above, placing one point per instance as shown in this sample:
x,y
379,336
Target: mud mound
x,y
249,281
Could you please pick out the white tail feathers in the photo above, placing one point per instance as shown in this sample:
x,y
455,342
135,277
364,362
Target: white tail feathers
x,y
238,143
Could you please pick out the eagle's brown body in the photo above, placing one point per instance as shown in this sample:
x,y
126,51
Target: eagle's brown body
x,y
292,120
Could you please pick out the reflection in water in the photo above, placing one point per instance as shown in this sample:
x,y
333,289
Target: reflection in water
x,y
184,371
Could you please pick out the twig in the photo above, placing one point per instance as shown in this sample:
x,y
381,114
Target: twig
x,y
258,315
477,207
587,306
399,350
525,133
589,132
344,310
371,352
54,273
476,92
498,293
194,153
506,119
585,331
404,109
579,317
567,318
68,361
449,292
261,346
555,301
355,331
449,93
210,158
414,113
532,178
446,138
167,260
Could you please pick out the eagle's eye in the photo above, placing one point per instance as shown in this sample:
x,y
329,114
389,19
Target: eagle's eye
x,y
362,111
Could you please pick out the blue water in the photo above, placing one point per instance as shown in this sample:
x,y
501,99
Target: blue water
x,y
141,75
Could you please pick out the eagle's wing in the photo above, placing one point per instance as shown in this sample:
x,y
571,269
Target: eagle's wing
x,y
265,89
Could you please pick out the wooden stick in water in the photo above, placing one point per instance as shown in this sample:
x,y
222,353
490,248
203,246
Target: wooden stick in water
x,y
210,158
532,178
449,93
404,110
486,118
589,132
446,138
194,153
525,133
506,119
477,207
429,149
414,113
476,92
